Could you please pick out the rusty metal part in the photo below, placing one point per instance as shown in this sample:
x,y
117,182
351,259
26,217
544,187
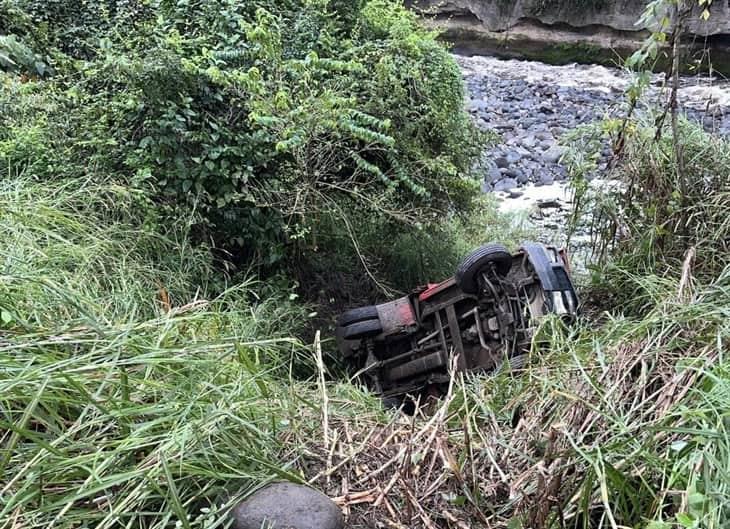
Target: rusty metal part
x,y
397,316
419,365
480,332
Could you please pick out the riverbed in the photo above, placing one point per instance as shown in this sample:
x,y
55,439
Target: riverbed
x,y
530,106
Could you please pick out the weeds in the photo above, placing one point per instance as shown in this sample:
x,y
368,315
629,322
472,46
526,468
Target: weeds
x,y
128,397
609,427
648,224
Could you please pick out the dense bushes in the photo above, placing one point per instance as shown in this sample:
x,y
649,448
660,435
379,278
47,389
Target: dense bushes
x,y
656,220
258,115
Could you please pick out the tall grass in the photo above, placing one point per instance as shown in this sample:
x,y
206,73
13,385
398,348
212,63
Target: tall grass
x,y
136,390
658,215
96,241
129,397
612,425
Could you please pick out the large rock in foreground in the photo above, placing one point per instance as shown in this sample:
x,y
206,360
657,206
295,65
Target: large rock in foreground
x,y
287,506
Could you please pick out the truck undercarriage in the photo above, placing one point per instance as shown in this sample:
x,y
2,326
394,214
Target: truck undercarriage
x,y
483,316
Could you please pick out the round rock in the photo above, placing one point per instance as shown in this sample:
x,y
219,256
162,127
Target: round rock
x,y
287,506
553,154
547,179
502,162
505,185
493,175
513,156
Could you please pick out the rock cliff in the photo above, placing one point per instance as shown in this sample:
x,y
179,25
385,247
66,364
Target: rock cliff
x,y
561,31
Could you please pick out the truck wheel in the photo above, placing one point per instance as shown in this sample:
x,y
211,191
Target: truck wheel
x,y
471,266
363,329
358,314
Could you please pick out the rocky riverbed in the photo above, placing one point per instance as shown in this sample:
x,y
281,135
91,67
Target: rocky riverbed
x,y
531,105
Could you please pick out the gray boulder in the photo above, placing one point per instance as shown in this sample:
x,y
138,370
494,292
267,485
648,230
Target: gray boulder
x,y
513,156
505,185
528,142
502,162
518,175
553,154
547,179
287,506
493,175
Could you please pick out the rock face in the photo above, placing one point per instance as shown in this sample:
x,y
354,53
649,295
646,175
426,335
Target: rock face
x,y
561,31
287,506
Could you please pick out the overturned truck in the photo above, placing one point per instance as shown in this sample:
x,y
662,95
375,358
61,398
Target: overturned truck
x,y
477,320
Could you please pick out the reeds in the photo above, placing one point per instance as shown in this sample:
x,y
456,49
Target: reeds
x,y
624,425
126,398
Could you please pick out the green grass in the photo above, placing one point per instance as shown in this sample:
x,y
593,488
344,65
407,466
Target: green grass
x,y
130,395
613,426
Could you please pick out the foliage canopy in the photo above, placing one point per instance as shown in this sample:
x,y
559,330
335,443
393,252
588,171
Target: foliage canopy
x,y
262,116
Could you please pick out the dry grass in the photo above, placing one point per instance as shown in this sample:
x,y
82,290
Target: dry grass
x,y
585,437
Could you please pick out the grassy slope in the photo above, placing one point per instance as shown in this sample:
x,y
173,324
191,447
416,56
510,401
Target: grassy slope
x,y
126,396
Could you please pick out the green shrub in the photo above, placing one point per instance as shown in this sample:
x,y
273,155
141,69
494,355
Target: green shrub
x,y
73,27
255,115
657,217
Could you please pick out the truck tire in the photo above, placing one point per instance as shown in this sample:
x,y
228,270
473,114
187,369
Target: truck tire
x,y
362,329
468,271
358,314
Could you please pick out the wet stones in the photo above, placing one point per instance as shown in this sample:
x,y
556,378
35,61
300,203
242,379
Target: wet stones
x,y
502,162
528,117
530,105
553,154
506,184
287,506
517,175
